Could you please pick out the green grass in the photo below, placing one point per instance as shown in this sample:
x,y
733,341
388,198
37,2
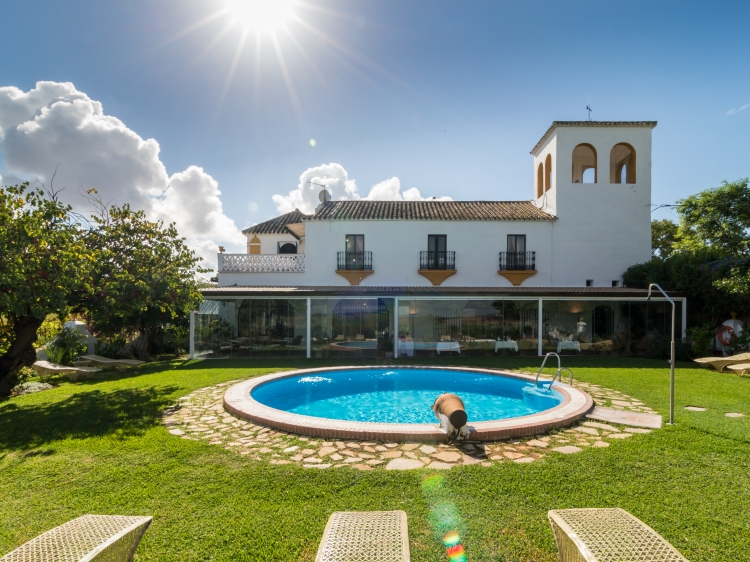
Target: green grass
x,y
99,447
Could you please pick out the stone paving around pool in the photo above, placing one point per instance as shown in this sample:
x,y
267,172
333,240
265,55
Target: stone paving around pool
x,y
200,416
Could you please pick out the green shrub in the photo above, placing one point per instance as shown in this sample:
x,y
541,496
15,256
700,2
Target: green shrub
x,y
700,338
112,347
69,344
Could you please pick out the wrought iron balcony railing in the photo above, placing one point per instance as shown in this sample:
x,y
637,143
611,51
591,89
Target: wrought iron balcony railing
x,y
354,260
517,261
437,260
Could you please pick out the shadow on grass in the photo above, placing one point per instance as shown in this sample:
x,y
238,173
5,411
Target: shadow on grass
x,y
119,413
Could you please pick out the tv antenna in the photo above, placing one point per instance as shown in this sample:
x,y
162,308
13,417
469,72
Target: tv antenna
x,y
588,108
325,195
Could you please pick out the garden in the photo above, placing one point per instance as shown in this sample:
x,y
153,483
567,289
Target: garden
x,y
104,446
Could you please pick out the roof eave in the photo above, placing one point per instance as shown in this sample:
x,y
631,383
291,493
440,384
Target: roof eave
x,y
556,124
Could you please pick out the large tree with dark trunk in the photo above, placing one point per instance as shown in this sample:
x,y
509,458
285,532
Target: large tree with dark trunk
x,y
45,264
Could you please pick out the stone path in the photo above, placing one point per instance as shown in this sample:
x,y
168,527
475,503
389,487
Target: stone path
x,y
200,416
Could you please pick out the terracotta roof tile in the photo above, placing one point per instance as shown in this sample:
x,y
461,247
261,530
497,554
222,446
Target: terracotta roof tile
x,y
277,225
430,210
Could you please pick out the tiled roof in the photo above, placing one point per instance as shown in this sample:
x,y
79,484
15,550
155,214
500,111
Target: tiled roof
x,y
403,291
297,229
430,210
277,225
555,124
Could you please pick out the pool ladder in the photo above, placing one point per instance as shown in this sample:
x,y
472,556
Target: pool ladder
x,y
557,376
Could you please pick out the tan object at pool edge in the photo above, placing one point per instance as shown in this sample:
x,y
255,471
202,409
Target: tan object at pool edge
x,y
452,407
366,536
608,535
91,538
719,363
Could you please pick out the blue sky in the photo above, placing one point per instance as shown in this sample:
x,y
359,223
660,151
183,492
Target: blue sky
x,y
448,97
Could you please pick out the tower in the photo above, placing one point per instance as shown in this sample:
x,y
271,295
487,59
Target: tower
x,y
595,177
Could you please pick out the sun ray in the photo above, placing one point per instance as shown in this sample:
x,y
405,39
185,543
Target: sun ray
x,y
296,105
293,40
232,70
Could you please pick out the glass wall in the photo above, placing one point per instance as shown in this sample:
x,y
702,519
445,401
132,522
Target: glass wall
x,y
251,328
471,327
607,327
351,328
475,327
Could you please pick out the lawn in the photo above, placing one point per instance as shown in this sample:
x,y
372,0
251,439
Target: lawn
x,y
99,447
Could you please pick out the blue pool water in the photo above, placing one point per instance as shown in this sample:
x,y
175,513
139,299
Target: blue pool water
x,y
402,395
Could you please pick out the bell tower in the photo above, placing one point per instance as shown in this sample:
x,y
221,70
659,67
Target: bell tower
x,y
595,177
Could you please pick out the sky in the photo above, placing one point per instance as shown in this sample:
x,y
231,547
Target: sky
x,y
216,118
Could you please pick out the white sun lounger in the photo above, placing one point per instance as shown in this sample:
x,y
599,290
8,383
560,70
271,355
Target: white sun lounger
x,y
608,535
45,370
719,363
365,535
87,360
91,538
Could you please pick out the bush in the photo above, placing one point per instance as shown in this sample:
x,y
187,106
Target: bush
x,y
112,347
69,344
660,347
700,338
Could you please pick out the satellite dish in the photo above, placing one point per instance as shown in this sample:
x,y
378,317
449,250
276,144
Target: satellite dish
x,y
324,196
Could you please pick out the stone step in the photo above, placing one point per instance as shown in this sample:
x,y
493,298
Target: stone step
x,y
623,417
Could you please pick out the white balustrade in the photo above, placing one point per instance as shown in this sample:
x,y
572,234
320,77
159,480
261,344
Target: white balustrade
x,y
262,263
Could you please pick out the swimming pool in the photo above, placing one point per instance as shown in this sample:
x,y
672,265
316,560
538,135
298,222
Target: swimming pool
x,y
403,395
393,403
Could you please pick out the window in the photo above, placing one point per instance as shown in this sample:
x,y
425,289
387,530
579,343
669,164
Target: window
x,y
355,243
622,164
516,257
548,173
540,180
584,164
615,283
589,282
437,243
287,248
516,243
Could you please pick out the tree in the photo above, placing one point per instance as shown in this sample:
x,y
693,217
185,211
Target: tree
x,y
144,276
44,264
718,218
707,256
664,235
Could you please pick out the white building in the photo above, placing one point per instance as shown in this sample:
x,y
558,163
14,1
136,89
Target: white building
x,y
382,278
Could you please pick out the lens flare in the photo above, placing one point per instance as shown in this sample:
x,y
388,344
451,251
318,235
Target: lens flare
x,y
444,517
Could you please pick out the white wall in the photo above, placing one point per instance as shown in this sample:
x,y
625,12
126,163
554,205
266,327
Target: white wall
x,y
396,246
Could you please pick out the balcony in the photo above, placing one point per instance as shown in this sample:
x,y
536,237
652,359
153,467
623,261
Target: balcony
x,y
437,260
261,263
437,266
354,266
516,267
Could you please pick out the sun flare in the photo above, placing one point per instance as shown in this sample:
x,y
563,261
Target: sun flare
x,y
261,16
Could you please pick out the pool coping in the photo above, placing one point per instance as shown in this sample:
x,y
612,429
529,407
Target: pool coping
x,y
237,400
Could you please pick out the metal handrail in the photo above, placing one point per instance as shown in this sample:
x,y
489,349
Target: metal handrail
x,y
559,366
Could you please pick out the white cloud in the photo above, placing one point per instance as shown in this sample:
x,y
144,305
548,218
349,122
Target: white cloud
x,y
55,124
336,179
737,109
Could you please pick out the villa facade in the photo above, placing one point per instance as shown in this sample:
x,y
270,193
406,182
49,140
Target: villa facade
x,y
440,278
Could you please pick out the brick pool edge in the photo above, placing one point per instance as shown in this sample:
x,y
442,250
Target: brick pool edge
x,y
238,400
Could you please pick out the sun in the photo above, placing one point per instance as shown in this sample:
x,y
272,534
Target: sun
x,y
261,16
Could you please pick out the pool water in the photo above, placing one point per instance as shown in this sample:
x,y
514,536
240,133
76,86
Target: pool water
x,y
403,395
